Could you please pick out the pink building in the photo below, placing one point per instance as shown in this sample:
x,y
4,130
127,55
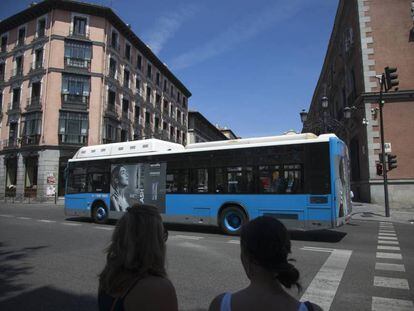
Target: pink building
x,y
74,74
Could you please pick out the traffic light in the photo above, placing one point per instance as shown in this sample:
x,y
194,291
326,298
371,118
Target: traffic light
x,y
379,169
392,161
391,77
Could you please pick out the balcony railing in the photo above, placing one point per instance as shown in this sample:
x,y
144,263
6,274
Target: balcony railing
x,y
78,34
36,65
79,63
11,143
75,99
33,103
30,140
71,139
16,72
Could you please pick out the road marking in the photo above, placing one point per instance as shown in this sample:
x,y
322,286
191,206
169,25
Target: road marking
x,y
390,248
187,237
389,267
25,218
385,223
387,237
388,255
233,241
387,234
70,224
388,242
324,285
318,249
386,231
386,227
391,282
7,216
103,228
388,304
46,220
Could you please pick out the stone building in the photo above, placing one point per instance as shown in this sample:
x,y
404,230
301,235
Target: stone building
x,y
74,74
201,130
368,36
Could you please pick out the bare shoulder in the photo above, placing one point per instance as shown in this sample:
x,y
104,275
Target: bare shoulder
x,y
216,303
145,295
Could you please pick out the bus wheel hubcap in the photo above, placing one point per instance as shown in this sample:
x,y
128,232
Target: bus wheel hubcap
x,y
233,221
100,213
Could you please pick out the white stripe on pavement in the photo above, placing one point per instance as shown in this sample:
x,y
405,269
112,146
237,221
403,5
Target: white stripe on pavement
x,y
389,266
387,234
233,241
324,285
388,242
103,228
70,224
388,255
46,220
387,237
7,216
187,237
317,249
25,218
391,282
388,304
390,248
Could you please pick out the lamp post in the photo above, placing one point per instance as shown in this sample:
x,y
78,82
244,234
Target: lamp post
x,y
325,104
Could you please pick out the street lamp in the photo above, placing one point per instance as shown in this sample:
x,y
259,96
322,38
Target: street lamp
x,y
347,113
324,102
303,116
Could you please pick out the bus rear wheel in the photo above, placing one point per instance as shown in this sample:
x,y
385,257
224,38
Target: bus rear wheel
x,y
100,214
232,219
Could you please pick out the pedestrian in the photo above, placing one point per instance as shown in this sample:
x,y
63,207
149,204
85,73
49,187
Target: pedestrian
x,y
265,246
134,277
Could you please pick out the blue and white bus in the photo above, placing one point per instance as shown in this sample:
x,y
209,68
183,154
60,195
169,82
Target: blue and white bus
x,y
301,179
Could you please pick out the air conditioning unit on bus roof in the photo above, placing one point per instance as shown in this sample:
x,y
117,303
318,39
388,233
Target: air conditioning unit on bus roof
x,y
129,147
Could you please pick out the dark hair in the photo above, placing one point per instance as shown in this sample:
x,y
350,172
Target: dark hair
x,y
137,249
265,240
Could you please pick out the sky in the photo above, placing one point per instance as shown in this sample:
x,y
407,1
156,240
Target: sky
x,y
251,66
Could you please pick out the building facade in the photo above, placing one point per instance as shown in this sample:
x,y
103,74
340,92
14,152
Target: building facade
x,y
368,36
74,74
201,130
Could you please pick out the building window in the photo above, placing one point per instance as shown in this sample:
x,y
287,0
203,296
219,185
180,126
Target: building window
x,y
111,100
156,122
165,107
78,54
124,135
21,36
178,97
16,98
112,68
138,84
127,51
126,78
158,99
184,102
75,88
147,118
139,62
137,112
165,85
157,79
31,128
35,98
18,69
73,128
4,43
41,27
38,63
164,125
172,131
172,91
110,133
178,115
114,40
1,101
148,94
149,71
125,107
2,71
79,26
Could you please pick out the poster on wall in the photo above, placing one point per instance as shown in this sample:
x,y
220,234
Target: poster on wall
x,y
50,184
142,183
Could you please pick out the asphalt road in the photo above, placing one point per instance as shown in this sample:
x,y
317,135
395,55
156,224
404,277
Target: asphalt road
x,y
49,262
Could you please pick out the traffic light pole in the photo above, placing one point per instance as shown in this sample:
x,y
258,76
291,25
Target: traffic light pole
x,y
383,157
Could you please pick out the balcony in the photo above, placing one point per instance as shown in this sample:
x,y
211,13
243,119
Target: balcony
x,y
72,139
11,143
30,140
78,63
75,34
16,73
81,101
33,104
13,108
37,65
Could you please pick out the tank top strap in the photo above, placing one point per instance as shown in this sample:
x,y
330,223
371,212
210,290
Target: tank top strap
x,y
226,302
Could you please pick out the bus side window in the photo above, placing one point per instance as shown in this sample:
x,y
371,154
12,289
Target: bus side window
x,y
293,178
199,180
77,180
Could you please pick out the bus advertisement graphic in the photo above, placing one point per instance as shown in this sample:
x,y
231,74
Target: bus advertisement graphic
x,y
142,183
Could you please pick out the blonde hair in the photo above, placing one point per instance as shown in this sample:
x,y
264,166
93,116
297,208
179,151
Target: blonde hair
x,y
137,249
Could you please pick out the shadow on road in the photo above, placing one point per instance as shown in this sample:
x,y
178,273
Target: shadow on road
x,y
318,236
12,268
49,298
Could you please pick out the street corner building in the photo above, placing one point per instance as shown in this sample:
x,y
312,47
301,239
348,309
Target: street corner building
x,y
74,74
368,36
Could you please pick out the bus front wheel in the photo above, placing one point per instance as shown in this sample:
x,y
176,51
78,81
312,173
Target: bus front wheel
x,y
100,214
232,219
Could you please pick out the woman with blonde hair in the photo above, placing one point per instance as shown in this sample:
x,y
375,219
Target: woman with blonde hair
x,y
134,277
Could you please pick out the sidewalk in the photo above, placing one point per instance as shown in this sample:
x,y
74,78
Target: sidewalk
x,y
376,212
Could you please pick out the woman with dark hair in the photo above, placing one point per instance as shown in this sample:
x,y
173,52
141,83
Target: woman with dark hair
x,y
134,277
265,246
